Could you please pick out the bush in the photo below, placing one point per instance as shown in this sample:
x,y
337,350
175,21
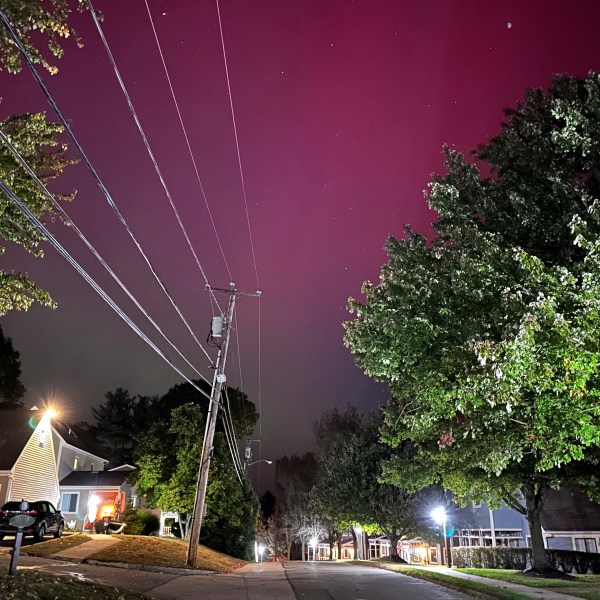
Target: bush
x,y
490,557
570,560
141,522
501,557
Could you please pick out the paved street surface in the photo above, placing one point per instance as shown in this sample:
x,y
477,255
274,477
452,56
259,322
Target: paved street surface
x,y
263,581
339,581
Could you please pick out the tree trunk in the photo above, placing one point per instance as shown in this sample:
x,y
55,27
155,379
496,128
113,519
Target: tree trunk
x,y
303,549
354,542
534,500
394,537
331,542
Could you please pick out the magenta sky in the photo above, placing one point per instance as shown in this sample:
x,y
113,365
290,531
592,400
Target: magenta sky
x,y
342,108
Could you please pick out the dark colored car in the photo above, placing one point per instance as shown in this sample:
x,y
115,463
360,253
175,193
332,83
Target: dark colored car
x,y
47,519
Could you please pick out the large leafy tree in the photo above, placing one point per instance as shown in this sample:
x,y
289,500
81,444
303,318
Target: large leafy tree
x,y
168,456
349,460
11,388
488,334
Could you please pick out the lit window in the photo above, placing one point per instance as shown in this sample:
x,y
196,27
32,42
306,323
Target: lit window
x,y
75,463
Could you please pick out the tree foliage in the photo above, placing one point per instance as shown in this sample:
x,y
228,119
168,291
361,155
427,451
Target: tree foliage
x,y
11,388
38,143
488,334
119,420
31,18
348,488
168,457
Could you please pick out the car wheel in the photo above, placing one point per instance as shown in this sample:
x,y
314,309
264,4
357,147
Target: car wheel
x,y
40,533
59,531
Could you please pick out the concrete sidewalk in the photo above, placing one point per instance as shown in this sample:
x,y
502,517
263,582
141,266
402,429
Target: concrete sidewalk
x,y
525,590
83,551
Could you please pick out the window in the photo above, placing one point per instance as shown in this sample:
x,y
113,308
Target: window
x,y
68,503
585,545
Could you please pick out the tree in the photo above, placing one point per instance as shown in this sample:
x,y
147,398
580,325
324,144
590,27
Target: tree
x,y
29,16
349,458
38,142
488,335
168,455
119,420
11,388
294,479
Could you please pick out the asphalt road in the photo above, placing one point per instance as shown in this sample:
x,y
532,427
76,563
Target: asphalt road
x,y
266,581
340,581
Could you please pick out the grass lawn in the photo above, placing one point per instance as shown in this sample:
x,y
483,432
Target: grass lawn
x,y
44,586
583,586
474,588
53,546
165,552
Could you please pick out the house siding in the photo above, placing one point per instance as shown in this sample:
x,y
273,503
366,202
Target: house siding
x,y
34,474
4,488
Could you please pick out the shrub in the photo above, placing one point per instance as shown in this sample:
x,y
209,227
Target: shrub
x,y
489,557
501,557
141,522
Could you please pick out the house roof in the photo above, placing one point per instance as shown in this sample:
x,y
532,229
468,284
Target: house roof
x,y
16,427
95,479
570,510
77,437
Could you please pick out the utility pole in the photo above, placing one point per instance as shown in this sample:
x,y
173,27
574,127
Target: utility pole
x,y
211,420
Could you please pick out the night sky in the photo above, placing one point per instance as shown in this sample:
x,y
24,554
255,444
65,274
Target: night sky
x,y
342,108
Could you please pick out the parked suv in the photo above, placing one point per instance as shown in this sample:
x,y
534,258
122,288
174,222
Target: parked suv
x,y
47,519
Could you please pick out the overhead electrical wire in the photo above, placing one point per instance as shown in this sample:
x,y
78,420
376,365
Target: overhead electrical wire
x,y
148,147
187,140
90,247
237,145
10,194
94,173
230,433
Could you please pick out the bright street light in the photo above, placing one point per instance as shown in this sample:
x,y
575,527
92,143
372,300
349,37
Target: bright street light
x,y
439,515
269,462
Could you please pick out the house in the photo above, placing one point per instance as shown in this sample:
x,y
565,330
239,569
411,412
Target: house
x,y
43,458
571,521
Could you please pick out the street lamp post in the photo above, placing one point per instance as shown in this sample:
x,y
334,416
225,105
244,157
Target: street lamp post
x,y
269,462
439,514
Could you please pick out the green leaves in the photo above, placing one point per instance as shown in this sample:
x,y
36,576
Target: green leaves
x,y
488,336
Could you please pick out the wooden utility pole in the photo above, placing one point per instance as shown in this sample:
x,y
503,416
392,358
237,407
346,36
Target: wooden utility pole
x,y
211,421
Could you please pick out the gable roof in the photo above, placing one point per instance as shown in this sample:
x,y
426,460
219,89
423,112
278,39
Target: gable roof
x,y
570,510
95,479
16,427
77,437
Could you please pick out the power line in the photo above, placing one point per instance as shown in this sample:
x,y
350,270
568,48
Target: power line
x,y
94,173
89,245
187,140
86,276
147,145
237,144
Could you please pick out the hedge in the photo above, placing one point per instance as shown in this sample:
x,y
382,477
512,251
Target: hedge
x,y
502,557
